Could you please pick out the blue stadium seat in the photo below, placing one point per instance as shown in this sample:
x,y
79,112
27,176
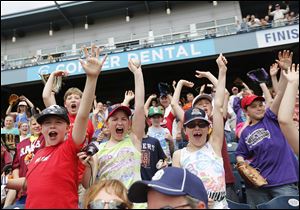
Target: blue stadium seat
x,y
281,202
235,205
231,147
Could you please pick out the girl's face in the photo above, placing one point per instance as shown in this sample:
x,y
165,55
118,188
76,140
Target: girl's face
x,y
72,103
197,131
35,128
118,125
24,128
22,108
54,130
106,200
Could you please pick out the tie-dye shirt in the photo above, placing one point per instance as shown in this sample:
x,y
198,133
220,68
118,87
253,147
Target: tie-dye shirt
x,y
121,161
208,166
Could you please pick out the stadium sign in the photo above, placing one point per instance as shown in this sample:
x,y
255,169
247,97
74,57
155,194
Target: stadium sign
x,y
278,36
167,53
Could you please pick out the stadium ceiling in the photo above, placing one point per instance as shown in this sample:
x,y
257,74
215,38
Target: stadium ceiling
x,y
73,14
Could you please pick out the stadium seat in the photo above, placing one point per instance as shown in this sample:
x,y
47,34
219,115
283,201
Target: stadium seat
x,y
235,205
281,202
231,147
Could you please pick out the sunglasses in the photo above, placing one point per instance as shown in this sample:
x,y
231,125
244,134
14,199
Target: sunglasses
x,y
113,204
193,124
175,207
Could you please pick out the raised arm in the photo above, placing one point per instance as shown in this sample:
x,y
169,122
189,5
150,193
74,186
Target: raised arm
x,y
178,111
138,121
8,111
218,125
284,62
92,68
48,93
286,109
27,101
267,94
273,72
147,104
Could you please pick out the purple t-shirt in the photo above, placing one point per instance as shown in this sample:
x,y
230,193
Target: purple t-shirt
x,y
269,152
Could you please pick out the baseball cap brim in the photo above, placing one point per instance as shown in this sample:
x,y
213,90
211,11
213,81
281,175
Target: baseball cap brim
x,y
123,108
199,97
43,117
197,118
138,191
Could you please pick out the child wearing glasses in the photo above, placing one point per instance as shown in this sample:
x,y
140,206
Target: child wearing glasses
x,y
107,194
203,154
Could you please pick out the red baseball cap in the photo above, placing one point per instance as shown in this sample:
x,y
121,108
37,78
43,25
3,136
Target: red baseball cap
x,y
112,109
247,100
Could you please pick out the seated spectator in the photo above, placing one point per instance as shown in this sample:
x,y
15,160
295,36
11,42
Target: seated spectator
x,y
170,188
111,194
254,22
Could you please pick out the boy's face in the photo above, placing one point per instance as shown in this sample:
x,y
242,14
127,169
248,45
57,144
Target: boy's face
x,y
54,130
9,122
164,101
256,110
156,120
72,103
205,105
118,125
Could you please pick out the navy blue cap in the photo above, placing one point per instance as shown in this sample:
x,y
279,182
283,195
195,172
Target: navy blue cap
x,y
171,181
53,110
195,114
112,109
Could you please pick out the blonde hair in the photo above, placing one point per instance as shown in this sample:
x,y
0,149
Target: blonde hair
x,y
71,91
112,187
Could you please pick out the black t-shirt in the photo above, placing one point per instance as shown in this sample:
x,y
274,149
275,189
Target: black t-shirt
x,y
151,154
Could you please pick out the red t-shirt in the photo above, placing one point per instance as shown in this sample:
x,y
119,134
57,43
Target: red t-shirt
x,y
52,177
23,148
5,157
88,138
168,119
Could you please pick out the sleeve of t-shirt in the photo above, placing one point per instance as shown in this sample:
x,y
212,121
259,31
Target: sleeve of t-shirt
x,y
236,104
242,149
269,114
70,148
161,154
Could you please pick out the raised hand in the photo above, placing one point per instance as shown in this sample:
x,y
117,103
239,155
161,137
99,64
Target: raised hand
x,y
285,59
292,75
201,74
186,83
58,73
92,66
129,95
274,69
222,62
174,84
270,6
132,67
153,96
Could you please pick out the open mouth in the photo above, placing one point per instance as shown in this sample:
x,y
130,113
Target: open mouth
x,y
120,131
73,106
53,134
197,135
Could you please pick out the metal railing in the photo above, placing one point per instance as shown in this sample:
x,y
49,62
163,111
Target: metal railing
x,y
68,52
